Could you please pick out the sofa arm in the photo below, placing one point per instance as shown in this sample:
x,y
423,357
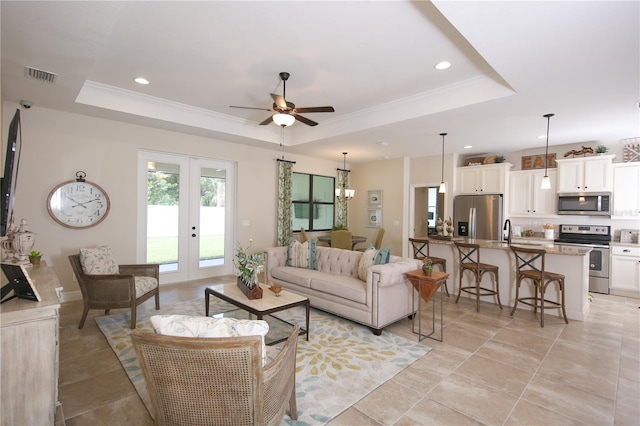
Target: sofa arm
x,y
393,273
274,256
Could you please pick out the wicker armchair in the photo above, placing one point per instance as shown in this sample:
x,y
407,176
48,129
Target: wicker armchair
x,y
115,291
217,381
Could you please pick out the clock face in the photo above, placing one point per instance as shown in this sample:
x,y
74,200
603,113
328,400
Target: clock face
x,y
76,204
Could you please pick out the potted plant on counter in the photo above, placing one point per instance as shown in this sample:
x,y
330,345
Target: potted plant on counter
x,y
34,257
427,266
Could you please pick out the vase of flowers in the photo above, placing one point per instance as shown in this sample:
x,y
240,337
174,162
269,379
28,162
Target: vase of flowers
x,y
248,267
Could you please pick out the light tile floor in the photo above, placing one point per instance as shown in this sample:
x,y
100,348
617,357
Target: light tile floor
x,y
491,369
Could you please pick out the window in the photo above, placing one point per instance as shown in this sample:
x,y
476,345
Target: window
x,y
313,202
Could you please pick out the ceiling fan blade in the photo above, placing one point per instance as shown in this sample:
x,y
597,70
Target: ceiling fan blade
x,y
259,109
316,109
266,121
279,100
305,120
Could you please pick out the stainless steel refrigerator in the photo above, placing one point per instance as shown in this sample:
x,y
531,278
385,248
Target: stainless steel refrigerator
x,y
478,216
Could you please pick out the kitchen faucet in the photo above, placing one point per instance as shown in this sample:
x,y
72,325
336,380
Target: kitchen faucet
x,y
508,222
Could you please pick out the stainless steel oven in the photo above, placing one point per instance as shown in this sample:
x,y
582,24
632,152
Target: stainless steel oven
x,y
597,238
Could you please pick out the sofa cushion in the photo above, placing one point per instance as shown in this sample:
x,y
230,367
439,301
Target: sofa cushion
x,y
372,257
302,255
298,276
339,285
190,326
98,261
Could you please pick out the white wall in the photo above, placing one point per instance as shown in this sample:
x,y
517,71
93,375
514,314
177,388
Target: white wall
x,y
56,144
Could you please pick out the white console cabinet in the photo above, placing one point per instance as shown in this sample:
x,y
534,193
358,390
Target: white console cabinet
x,y
489,179
29,357
525,196
586,174
625,271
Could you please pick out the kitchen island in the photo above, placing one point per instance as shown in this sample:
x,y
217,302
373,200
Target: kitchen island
x,y
572,262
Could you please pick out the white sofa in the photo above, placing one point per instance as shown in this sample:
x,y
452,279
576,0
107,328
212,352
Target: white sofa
x,y
384,298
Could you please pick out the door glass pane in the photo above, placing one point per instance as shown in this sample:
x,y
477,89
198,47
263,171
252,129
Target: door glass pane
x,y
212,216
163,198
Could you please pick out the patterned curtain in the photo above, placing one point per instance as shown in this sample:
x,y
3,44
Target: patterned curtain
x,y
341,203
285,218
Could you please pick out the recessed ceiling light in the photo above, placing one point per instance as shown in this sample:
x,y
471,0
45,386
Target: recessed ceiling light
x,y
541,137
383,143
467,147
141,80
442,65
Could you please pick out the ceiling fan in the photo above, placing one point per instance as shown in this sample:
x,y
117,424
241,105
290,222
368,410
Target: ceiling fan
x,y
286,113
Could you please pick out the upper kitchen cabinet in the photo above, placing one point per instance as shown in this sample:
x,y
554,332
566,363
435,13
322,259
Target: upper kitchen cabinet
x,y
525,196
587,174
487,179
626,190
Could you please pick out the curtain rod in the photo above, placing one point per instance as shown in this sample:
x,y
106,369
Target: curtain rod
x,y
343,170
285,161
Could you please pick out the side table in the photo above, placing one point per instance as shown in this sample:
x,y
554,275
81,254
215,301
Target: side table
x,y
426,286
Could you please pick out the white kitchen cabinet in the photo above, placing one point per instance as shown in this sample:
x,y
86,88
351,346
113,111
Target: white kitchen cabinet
x,y
625,271
587,174
525,196
626,190
489,179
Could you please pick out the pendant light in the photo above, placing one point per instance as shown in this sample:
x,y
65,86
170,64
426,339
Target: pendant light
x,y
344,193
546,182
443,186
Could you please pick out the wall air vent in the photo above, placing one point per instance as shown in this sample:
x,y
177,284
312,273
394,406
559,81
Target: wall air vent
x,y
41,75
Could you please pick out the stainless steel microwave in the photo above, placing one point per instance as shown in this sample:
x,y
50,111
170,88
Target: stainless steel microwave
x,y
585,203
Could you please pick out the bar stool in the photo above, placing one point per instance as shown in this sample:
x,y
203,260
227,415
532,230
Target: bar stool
x,y
419,244
530,265
468,252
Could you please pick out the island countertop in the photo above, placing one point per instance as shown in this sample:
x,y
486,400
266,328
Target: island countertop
x,y
571,261
549,246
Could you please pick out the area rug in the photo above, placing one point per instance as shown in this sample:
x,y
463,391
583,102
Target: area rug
x,y
340,364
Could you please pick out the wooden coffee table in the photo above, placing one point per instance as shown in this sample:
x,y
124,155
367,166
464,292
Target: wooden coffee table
x,y
269,304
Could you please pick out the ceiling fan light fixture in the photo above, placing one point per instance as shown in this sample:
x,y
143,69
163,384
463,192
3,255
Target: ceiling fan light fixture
x,y
284,120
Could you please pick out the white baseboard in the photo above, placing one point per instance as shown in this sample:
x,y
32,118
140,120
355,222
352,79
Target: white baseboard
x,y
70,296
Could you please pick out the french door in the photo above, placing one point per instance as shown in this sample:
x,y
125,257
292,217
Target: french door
x,y
186,207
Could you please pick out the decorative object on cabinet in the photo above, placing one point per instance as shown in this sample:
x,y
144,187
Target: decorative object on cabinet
x,y
601,149
34,257
374,199
584,151
474,161
546,183
531,162
18,244
79,203
500,159
631,150
443,186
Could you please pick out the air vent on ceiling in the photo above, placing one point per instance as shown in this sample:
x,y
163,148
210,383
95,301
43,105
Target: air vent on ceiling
x,y
41,75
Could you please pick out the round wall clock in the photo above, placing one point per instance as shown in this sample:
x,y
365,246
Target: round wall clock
x,y
78,203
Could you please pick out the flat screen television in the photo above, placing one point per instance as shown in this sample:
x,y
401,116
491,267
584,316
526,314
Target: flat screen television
x,y
19,282
10,177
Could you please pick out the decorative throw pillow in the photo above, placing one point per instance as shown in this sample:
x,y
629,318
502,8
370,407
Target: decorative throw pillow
x,y
98,261
190,326
372,257
302,255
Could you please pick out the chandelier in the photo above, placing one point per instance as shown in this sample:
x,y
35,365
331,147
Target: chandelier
x,y
344,193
